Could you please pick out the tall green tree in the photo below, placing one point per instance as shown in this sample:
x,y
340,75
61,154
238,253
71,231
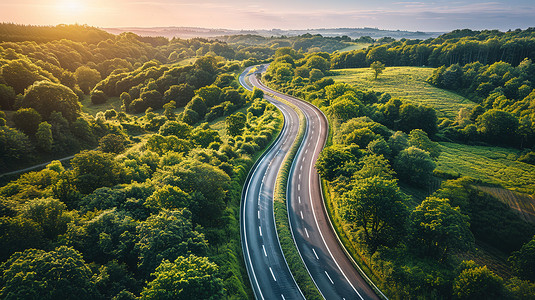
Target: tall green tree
x,y
437,229
44,137
235,123
169,197
419,139
94,169
7,97
414,166
378,68
21,73
86,78
523,260
111,235
179,129
167,235
331,161
206,183
27,120
36,274
186,278
113,143
49,213
46,97
498,126
476,282
377,206
17,234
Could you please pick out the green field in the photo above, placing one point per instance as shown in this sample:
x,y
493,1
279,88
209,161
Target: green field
x,y
407,83
489,164
186,62
354,46
93,109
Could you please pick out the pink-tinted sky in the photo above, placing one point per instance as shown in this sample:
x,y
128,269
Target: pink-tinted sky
x,y
424,15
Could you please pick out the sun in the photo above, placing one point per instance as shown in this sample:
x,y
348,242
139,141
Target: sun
x,y
71,7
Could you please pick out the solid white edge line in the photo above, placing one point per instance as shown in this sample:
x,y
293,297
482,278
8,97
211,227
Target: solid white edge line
x,y
317,225
315,111
279,247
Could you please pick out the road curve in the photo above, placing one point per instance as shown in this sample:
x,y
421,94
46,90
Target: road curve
x,y
266,266
330,268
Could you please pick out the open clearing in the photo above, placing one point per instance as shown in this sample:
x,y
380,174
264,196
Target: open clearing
x,y
354,46
493,165
407,83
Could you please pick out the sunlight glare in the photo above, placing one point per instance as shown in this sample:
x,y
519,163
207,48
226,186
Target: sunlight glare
x,y
71,7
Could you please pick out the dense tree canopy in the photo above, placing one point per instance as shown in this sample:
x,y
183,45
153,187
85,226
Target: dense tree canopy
x,y
523,261
437,228
377,205
57,274
475,282
46,97
189,277
414,166
168,235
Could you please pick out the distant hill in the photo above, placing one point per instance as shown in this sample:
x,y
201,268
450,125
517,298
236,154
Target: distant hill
x,y
192,32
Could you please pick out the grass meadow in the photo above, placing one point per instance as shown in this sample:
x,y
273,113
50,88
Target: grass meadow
x,y
354,46
492,165
407,83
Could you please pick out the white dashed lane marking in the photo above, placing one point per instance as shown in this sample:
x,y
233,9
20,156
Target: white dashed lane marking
x,y
315,254
272,274
332,282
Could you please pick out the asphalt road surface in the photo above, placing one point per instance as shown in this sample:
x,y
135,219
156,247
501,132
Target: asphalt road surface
x,y
268,271
329,266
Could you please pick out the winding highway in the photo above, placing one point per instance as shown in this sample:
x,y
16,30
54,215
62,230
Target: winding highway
x,y
330,268
267,269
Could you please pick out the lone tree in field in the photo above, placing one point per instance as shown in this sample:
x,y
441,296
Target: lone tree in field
x,y
378,67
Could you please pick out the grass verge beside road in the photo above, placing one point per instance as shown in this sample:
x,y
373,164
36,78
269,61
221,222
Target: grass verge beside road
x,y
295,263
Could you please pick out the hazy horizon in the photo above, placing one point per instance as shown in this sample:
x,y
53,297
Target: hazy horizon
x,y
422,15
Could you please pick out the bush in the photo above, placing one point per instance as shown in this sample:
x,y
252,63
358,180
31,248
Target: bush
x,y
98,97
27,120
414,166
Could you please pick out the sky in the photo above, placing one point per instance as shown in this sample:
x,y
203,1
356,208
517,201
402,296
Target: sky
x,y
424,15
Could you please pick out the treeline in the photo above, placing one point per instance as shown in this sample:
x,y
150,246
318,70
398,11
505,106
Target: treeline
x,y
457,47
10,32
304,43
42,84
413,247
505,114
304,76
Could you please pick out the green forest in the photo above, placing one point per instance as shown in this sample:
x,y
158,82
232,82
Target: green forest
x,y
146,143
148,206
